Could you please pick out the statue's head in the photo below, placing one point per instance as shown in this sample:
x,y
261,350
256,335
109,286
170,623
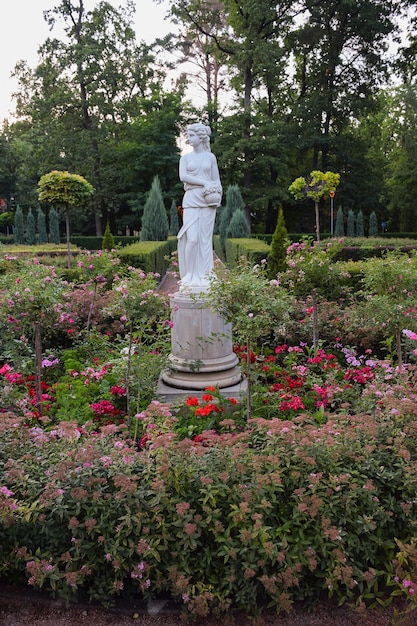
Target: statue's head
x,y
203,132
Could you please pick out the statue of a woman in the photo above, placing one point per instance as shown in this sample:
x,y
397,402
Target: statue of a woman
x,y
203,193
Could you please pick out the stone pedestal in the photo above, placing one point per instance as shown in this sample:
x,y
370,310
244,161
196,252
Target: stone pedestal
x,y
202,350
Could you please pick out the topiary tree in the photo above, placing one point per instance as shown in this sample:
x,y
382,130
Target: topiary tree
x,y
19,229
40,218
280,241
350,230
373,225
315,186
234,201
174,224
339,230
65,190
30,228
54,235
360,231
154,219
238,227
108,239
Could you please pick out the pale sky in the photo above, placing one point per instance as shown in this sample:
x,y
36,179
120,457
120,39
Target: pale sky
x,y
23,30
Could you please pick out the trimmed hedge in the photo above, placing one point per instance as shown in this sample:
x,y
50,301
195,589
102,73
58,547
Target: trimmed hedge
x,y
95,243
253,249
149,256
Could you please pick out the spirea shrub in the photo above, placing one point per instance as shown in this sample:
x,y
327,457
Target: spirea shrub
x,y
284,511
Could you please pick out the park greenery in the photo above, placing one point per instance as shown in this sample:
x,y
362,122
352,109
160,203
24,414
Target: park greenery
x,y
288,88
108,491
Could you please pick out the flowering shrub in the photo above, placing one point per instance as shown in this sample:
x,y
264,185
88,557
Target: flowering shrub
x,y
278,513
311,492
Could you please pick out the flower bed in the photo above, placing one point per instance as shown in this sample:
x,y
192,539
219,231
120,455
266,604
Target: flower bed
x,y
106,491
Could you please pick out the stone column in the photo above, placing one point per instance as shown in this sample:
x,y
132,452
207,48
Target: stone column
x,y
202,350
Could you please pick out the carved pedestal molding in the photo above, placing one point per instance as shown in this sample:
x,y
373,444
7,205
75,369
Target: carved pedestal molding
x,y
202,350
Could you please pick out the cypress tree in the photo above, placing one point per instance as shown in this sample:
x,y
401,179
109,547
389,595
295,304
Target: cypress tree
x,y
360,232
40,218
339,230
350,231
54,236
19,230
373,225
278,253
108,239
234,201
174,224
154,218
238,227
30,228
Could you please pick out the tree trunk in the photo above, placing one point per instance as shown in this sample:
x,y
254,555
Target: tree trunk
x,y
316,208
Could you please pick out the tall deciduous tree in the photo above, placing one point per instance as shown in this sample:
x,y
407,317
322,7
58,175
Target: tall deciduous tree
x,y
84,94
340,52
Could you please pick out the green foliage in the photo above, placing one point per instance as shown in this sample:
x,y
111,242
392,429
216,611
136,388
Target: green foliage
x,y
40,219
238,227
150,256
254,250
54,235
280,242
173,219
218,527
360,230
315,186
108,239
350,229
19,229
64,189
30,228
389,288
154,219
339,230
373,225
234,201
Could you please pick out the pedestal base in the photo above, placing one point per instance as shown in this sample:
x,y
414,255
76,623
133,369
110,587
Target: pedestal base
x,y
202,350
166,393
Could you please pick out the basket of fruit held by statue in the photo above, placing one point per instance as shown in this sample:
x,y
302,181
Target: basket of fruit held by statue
x,y
213,195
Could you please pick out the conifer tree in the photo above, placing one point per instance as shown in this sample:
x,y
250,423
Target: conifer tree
x,y
54,236
279,244
174,224
339,230
373,225
360,232
154,218
40,218
238,227
19,229
108,239
234,201
350,231
30,228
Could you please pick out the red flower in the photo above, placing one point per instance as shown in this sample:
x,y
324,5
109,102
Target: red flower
x,y
210,389
191,401
207,397
118,391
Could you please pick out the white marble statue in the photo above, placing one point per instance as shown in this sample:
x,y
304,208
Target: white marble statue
x,y
203,193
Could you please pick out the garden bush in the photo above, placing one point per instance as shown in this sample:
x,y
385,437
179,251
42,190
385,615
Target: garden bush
x,y
106,491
